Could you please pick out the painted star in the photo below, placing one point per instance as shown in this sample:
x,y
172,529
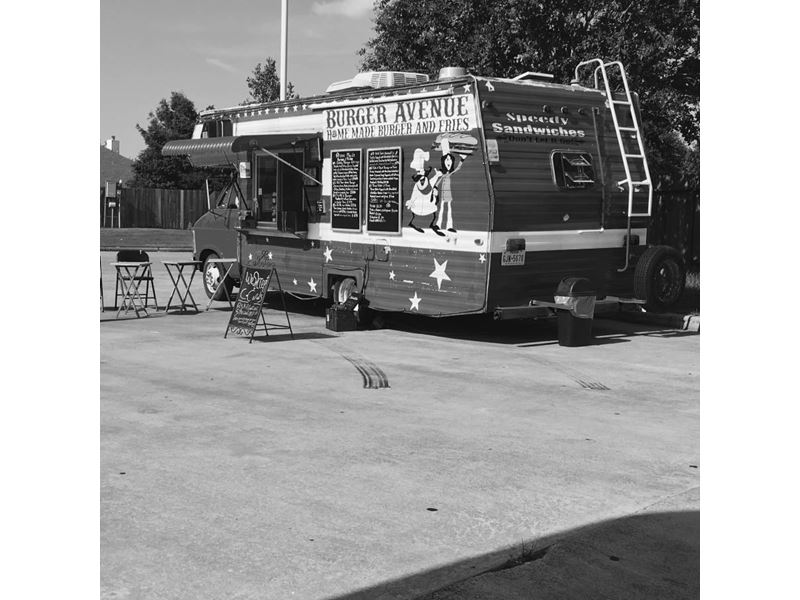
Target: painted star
x,y
285,109
266,111
250,256
482,258
387,249
269,255
489,86
466,87
328,252
415,301
439,272
312,285
294,281
391,275
294,108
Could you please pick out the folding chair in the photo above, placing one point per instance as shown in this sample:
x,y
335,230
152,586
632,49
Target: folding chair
x,y
136,256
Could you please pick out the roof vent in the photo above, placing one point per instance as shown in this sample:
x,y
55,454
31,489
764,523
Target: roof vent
x,y
377,80
534,76
452,72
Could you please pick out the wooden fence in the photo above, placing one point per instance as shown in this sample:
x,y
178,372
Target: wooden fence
x,y
156,208
676,223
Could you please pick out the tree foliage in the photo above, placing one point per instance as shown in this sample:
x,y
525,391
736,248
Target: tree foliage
x,y
658,41
265,84
171,120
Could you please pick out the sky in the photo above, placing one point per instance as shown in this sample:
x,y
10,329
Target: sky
x,y
207,49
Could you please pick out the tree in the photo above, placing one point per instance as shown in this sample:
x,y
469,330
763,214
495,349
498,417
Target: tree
x,y
658,41
265,85
171,120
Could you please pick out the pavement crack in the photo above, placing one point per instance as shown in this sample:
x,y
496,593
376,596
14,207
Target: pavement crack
x,y
527,556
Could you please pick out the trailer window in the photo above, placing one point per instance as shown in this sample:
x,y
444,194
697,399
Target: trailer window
x,y
221,128
572,170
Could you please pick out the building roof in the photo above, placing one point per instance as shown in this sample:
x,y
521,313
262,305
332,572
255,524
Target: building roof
x,y
114,166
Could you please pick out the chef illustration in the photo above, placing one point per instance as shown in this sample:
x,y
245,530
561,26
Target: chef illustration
x,y
424,195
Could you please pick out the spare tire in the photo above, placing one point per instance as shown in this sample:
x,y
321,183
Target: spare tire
x,y
659,277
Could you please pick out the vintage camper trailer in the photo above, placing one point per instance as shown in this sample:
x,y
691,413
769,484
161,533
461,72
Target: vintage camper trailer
x,y
447,196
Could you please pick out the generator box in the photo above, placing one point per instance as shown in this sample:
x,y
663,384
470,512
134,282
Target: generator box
x,y
339,318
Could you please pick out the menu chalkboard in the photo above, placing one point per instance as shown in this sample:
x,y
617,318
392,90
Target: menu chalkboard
x,y
383,190
346,190
247,310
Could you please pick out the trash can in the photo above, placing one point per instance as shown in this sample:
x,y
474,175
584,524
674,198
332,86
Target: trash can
x,y
575,320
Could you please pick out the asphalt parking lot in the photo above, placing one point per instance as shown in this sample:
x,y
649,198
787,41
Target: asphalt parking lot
x,y
396,462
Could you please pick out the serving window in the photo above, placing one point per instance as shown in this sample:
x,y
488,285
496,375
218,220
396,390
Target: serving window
x,y
572,170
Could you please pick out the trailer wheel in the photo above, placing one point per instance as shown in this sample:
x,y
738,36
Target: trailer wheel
x,y
342,289
659,277
212,273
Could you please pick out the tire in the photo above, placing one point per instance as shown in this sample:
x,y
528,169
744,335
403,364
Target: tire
x,y
212,273
659,278
342,289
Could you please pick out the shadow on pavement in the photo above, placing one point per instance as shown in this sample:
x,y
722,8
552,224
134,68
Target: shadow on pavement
x,y
285,337
650,555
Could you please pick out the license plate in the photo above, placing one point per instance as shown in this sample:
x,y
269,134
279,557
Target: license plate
x,y
512,259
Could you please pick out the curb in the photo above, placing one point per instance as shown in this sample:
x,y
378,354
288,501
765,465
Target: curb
x,y
671,320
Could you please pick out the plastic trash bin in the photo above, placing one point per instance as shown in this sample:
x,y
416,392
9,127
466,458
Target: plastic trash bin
x,y
575,321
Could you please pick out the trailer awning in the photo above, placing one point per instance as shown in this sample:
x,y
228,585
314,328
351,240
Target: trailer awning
x,y
224,151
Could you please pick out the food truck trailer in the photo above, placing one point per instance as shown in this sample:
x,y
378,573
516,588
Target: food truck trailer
x,y
455,195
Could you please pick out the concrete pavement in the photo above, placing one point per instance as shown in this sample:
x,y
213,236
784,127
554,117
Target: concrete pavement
x,y
268,470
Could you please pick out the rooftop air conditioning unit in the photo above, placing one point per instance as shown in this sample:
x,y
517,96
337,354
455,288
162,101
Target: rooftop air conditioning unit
x,y
377,80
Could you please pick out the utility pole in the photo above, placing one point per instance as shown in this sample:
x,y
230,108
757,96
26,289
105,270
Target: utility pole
x,y
284,45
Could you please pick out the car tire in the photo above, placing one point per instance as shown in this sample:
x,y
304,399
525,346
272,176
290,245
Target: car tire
x,y
342,289
212,274
659,278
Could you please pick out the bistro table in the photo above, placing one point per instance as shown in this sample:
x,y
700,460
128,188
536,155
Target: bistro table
x,y
222,261
131,274
180,286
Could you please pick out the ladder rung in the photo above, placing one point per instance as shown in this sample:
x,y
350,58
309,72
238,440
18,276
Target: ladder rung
x,y
621,102
628,129
634,155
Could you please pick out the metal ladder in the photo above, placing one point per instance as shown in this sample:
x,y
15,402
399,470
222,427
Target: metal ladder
x,y
602,68
627,157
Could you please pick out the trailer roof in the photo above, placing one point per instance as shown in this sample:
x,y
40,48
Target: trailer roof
x,y
366,94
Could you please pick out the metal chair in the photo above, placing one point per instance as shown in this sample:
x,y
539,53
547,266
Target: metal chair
x,y
147,277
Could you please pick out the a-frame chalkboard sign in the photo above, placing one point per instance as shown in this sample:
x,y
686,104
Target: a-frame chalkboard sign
x,y
248,311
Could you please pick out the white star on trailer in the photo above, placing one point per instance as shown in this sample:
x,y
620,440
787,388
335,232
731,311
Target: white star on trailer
x,y
482,258
269,255
466,87
250,256
312,285
327,254
294,281
415,301
439,273
391,275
